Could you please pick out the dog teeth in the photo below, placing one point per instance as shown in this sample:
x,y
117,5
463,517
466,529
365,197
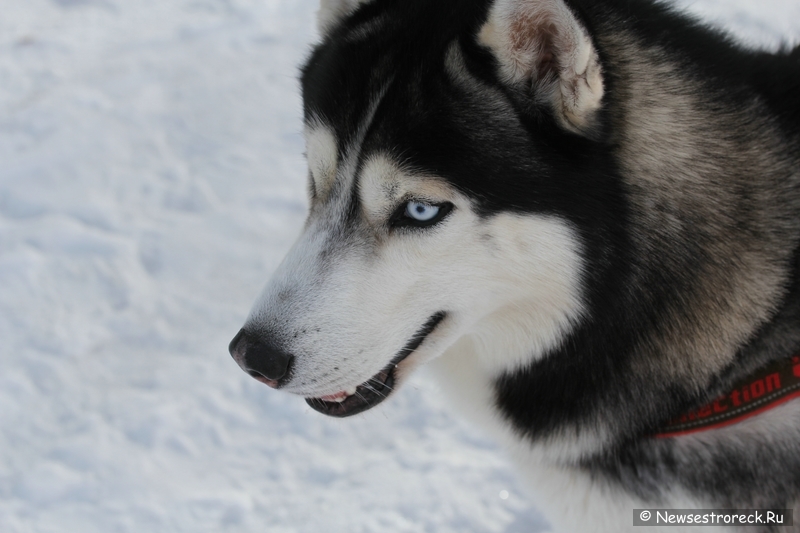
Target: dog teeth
x,y
346,394
336,398
339,397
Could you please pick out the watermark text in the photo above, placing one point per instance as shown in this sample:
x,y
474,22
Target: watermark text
x,y
713,517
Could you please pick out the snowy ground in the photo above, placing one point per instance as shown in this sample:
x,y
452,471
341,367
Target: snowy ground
x,y
151,179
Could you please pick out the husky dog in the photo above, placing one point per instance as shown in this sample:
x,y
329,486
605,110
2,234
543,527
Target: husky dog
x,y
583,214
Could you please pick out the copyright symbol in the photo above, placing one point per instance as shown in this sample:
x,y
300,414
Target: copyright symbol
x,y
645,516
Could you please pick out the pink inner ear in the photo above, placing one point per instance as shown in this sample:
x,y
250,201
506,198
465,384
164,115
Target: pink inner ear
x,y
532,38
548,61
542,46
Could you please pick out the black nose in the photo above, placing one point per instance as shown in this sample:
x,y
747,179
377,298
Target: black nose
x,y
260,357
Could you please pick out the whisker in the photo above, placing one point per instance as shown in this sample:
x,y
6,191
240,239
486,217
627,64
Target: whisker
x,y
380,393
370,387
382,384
362,398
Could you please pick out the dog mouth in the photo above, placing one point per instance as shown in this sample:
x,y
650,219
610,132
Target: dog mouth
x,y
378,387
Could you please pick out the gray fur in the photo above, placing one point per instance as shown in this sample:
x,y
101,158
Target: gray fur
x,y
664,281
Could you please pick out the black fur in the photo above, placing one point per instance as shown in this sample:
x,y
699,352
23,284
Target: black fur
x,y
524,161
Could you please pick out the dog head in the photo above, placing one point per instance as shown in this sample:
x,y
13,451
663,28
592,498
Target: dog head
x,y
437,140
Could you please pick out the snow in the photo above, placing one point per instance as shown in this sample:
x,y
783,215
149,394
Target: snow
x,y
152,177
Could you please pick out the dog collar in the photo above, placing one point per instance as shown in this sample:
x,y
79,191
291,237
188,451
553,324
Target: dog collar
x,y
767,388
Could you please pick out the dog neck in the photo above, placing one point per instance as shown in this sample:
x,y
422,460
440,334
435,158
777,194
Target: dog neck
x,y
700,288
766,389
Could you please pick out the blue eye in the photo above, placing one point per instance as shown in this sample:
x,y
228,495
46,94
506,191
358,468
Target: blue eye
x,y
421,212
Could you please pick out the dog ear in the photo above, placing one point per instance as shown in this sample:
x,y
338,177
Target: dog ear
x,y
541,45
332,12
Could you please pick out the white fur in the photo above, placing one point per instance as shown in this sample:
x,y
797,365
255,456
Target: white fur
x,y
322,155
348,297
355,305
331,12
526,35
575,502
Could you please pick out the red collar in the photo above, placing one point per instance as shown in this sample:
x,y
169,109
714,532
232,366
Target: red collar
x,y
765,389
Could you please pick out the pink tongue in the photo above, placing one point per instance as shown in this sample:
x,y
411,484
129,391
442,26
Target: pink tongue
x,y
338,397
